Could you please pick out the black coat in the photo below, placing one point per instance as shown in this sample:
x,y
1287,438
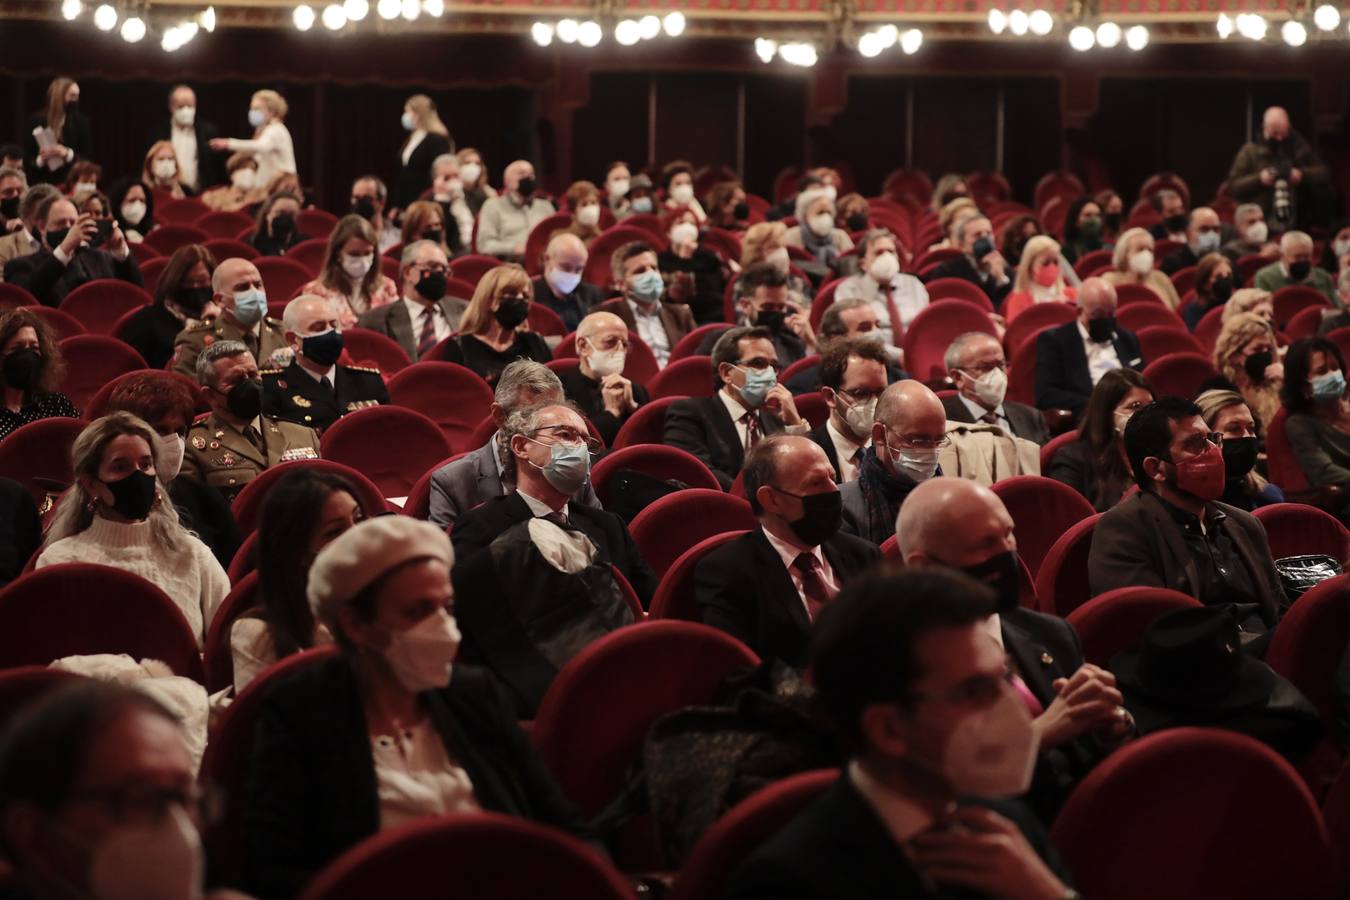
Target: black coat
x,y
960,267
702,426
572,308
1062,377
76,134
1178,260
151,333
43,276
20,529
296,396
203,511
1026,422
312,790
414,176
210,163
744,589
1074,465
585,393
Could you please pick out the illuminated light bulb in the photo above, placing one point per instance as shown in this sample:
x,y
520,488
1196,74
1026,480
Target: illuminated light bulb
x,y
133,29
998,20
388,9
434,8
170,41
627,33
1294,33
1108,35
674,23
542,33
889,36
589,33
1136,37
208,19
1081,38
1041,22
649,27
765,49
303,17
105,18
1327,17
798,54
71,9
567,31
356,10
333,17
1224,25
410,10
869,45
911,41
1018,22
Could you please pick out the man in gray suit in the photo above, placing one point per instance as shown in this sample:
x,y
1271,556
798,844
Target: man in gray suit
x,y
977,366
425,316
476,477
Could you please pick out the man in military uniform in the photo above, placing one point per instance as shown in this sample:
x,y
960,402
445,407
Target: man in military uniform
x,y
239,293
314,389
232,446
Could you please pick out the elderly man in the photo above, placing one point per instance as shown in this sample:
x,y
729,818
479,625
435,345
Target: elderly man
x,y
853,377
1251,235
315,390
1171,208
980,262
425,316
560,288
237,289
505,221
1282,173
370,195
1295,266
749,405
893,295
480,475
70,254
1202,237
447,189
1072,358
909,430
638,277
26,239
767,587
236,442
976,365
956,523
199,167
598,386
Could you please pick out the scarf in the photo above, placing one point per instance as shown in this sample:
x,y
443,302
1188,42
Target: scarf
x,y
882,494
822,248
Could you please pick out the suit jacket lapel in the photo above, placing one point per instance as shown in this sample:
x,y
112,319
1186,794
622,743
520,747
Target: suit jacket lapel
x,y
623,311
670,324
489,790
400,323
779,582
720,420
1255,569
274,441
1176,545
863,840
1030,657
490,484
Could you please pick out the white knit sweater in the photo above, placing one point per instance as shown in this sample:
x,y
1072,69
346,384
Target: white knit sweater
x,y
192,579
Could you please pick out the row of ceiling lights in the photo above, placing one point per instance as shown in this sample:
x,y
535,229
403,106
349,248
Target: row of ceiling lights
x,y
134,28
627,32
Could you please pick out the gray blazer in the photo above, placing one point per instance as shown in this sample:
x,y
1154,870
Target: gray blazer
x,y
471,480
392,320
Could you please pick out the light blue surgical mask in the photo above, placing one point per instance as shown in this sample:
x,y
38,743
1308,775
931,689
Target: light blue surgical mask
x,y
255,118
649,286
642,204
1328,388
1206,242
250,306
758,383
567,468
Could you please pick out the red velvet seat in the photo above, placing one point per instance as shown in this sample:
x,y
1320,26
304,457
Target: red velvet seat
x,y
62,325
658,461
418,503
310,254
98,304
688,377
370,348
1184,280
98,404
390,445
812,407
1294,529
675,598
1292,298
1172,814
640,366
228,248
282,277
1062,582
1042,509
40,450
1127,294
473,267
179,211
1090,262
1022,371
647,425
1138,316
224,223
1209,327
1308,645
1052,446
1281,463
151,270
823,301
217,659
144,253
1157,341
167,237
934,256
1305,322
545,322
244,560
248,503
958,289
1114,622
537,240
933,329
475,855
74,609
602,248
688,345
25,685
452,396
676,522
796,368
1336,813
12,296
317,223
726,244
1180,374
1035,319
92,360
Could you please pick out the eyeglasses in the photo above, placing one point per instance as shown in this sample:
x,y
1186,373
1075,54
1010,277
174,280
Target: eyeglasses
x,y
568,437
981,371
919,443
860,395
144,804
1199,443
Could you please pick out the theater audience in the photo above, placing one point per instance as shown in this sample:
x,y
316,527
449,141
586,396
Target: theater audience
x,y
369,198
473,175
618,180
271,145
428,139
69,257
117,515
677,184
765,303
31,370
844,318
448,191
425,316
305,511
1247,354
161,172
854,213
425,220
1039,278
1214,284
481,475
1226,413
1013,238
749,405
277,232
950,216
506,220
1132,263
560,288
597,386
976,365
495,330
815,231
583,200
727,206
1084,229
1318,427
1072,358
237,289
402,730
694,274
1096,465
1174,534
1281,172
190,136
133,206
766,588
1171,209
1295,267
183,299
82,180
1202,237
763,243
980,263
29,239
905,670
243,188
644,307
853,377
350,278
896,297
1251,235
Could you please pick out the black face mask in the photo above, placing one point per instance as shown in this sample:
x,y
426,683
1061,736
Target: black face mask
x,y
364,207
1101,330
323,349
1300,270
192,300
856,222
1112,220
1239,456
1221,289
282,224
741,211
434,235
949,197
772,319
1175,223
21,368
1255,365
822,515
244,401
983,247
1003,574
56,236
72,106
134,495
9,207
431,286
527,187
511,312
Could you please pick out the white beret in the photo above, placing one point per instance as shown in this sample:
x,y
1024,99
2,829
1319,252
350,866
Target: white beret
x,y
360,555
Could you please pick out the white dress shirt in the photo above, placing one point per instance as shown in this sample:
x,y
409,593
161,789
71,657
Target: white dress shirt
x,y
788,553
844,448
1101,358
978,412
418,312
541,510
184,142
652,330
415,776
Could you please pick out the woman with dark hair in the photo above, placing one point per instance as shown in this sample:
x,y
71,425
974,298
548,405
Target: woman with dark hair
x,y
677,183
1318,427
350,278
69,129
695,274
1095,465
277,232
30,370
182,300
133,206
302,514
1227,413
1113,214
728,209
1083,229
1214,285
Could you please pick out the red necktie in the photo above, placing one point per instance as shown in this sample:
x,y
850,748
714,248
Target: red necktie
x,y
427,340
816,592
894,313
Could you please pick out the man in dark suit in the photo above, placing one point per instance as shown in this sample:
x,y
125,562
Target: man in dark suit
x,y
853,375
977,367
904,667
1170,206
1077,709
980,263
854,317
749,406
425,316
538,437
638,278
1174,534
598,386
1202,237
763,290
767,587
315,389
199,167
69,257
1072,358
560,288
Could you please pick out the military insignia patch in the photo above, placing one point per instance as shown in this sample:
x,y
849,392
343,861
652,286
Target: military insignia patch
x,y
300,401
199,443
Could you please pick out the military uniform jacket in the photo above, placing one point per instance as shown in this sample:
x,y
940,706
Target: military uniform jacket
x,y
219,454
297,396
273,354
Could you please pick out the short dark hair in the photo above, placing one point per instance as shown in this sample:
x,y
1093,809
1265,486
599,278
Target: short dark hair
x,y
863,644
673,168
761,467
1149,433
11,151
1297,363
626,252
727,349
760,275
834,359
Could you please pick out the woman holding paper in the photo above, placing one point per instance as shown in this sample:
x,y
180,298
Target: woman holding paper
x,y
60,135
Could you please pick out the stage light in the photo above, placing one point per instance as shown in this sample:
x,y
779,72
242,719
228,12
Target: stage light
x,y
388,9
869,45
1327,17
1294,34
1040,22
1224,26
1108,35
542,33
911,41
649,27
170,40
1136,37
998,20
356,10
410,10
674,23
1252,26
186,32
798,54
589,33
71,9
1018,22
208,19
133,30
627,33
1081,38
765,49
889,36
434,8
303,17
566,30
105,18
333,17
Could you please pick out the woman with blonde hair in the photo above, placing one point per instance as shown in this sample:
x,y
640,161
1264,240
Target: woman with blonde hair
x,y
1133,261
118,514
427,139
69,129
950,218
351,279
1250,300
1247,354
1039,278
473,175
424,220
495,331
583,199
1228,414
271,143
948,188
160,171
765,242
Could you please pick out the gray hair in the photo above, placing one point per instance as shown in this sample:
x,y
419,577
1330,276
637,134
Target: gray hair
x,y
410,253
381,189
832,323
11,172
1246,209
206,360
1295,239
804,201
34,198
443,159
955,356
525,376
876,234
525,420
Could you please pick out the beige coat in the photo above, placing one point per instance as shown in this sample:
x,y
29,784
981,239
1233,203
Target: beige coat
x,y
985,453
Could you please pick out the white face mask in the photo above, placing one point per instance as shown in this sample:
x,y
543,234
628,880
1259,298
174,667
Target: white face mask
x,y
608,362
133,211
168,456
619,187
563,283
243,179
684,233
184,116
831,191
161,861
470,172
1141,262
859,416
589,215
1340,247
919,464
990,388
992,753
408,122
821,223
164,169
884,268
256,117
1256,233
422,656
356,267
779,259
682,193
85,188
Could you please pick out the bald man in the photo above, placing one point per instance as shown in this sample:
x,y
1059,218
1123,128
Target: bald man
x,y
505,221
765,588
598,387
959,524
1202,238
1281,172
909,429
238,290
560,288
1072,358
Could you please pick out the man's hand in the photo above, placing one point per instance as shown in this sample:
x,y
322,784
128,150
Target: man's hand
x,y
617,393
117,242
988,854
800,325
994,264
1295,176
80,234
1267,176
1086,702
779,401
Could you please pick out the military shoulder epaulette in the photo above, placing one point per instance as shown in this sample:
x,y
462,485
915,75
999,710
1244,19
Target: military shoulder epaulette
x,y
363,369
270,371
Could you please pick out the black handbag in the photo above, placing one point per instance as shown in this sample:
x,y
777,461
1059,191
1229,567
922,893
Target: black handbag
x,y
1299,573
